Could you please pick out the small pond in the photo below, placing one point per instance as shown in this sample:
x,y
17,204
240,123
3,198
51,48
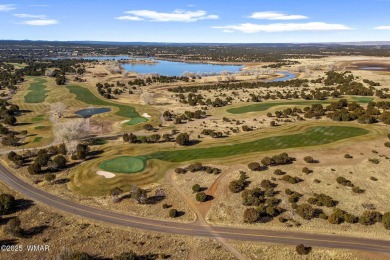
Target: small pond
x,y
88,112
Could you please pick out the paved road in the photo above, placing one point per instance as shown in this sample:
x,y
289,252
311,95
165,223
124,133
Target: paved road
x,y
193,229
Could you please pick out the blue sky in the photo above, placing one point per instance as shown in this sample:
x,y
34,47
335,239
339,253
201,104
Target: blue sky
x,y
196,21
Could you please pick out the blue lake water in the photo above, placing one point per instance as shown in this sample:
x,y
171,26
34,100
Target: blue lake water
x,y
175,68
88,112
170,68
372,68
287,76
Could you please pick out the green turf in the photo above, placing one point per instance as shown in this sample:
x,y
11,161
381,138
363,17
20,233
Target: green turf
x,y
311,137
37,118
86,96
37,93
362,99
123,164
41,127
37,139
263,106
136,120
267,105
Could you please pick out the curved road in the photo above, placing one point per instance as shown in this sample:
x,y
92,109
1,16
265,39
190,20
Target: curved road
x,y
193,229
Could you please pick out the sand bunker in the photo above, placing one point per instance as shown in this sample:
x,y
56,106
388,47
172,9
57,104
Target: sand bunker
x,y
107,175
146,115
124,121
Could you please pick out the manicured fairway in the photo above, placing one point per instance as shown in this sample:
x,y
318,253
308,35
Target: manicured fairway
x,y
311,137
86,96
362,99
123,164
37,93
267,105
263,106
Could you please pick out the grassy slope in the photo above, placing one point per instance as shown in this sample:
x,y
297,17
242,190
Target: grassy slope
x,y
263,106
313,136
37,93
84,179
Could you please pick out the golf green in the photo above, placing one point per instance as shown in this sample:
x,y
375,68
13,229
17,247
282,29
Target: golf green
x,y
123,164
311,137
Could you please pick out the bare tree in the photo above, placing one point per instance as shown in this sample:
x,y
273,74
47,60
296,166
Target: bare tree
x,y
58,109
71,131
147,98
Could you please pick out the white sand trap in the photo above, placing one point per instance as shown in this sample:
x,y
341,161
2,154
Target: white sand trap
x,y
145,115
124,121
107,175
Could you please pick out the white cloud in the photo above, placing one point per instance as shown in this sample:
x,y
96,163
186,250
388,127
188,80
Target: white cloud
x,y
175,16
129,18
40,22
276,16
6,8
30,16
227,31
384,27
283,27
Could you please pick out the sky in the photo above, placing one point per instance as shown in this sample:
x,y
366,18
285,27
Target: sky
x,y
210,21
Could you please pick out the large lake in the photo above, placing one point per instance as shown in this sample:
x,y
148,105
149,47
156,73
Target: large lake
x,y
171,68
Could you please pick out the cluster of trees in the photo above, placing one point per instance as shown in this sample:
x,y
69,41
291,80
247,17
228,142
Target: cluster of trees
x,y
106,90
345,182
342,110
322,200
52,158
198,167
279,159
295,83
187,115
239,185
157,78
212,133
291,179
10,76
267,205
197,99
293,196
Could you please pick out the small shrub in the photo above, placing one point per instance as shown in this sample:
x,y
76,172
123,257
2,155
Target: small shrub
x,y
279,172
303,250
306,170
196,188
370,217
201,196
49,177
291,179
254,166
309,159
251,215
357,189
348,156
173,213
374,160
